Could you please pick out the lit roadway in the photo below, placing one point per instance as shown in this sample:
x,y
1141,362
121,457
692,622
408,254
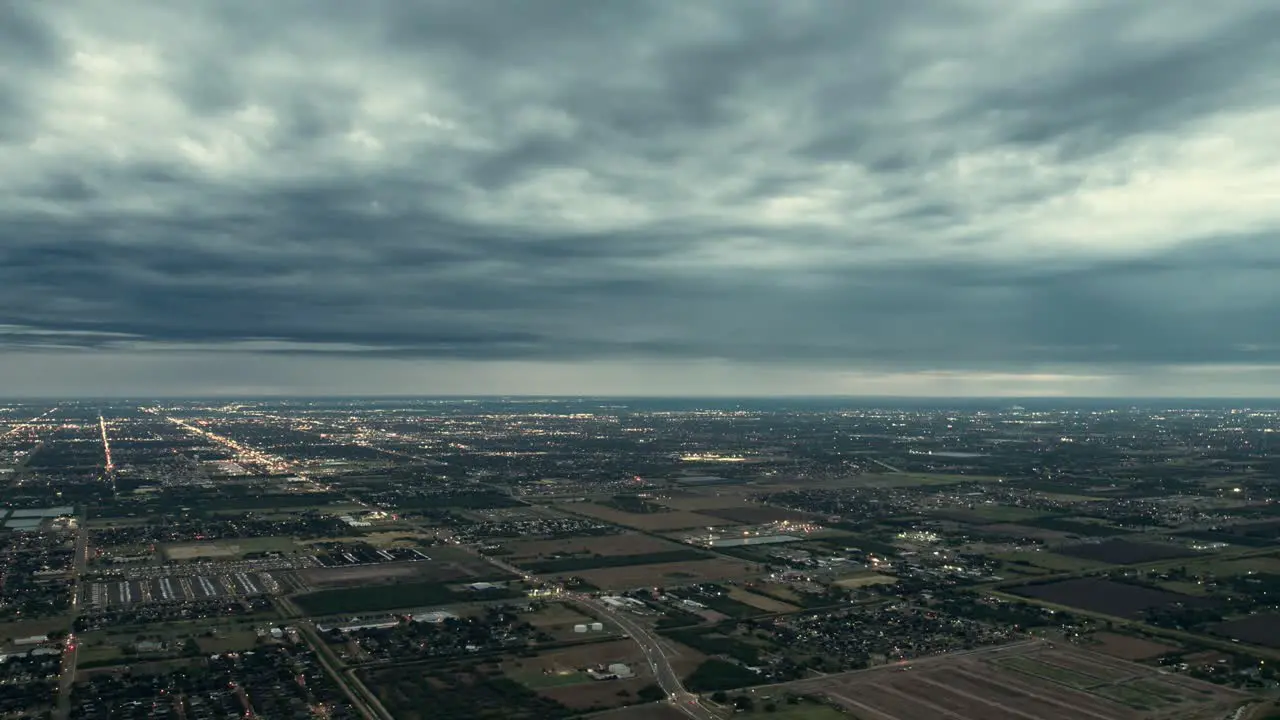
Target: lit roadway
x,y
22,426
71,654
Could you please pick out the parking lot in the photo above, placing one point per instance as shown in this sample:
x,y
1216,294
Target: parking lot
x,y
179,588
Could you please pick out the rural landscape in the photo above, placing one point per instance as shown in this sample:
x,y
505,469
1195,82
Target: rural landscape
x,y
626,559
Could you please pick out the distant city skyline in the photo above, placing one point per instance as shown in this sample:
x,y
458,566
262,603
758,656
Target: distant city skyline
x,y
725,198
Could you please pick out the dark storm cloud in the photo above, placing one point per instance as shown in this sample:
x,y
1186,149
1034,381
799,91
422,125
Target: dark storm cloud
x,y
904,185
1144,88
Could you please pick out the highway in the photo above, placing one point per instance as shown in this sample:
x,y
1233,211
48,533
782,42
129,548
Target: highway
x,y
71,655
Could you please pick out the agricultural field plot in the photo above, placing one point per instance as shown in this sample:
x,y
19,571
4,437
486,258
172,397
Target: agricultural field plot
x,y
903,479
410,694
1024,531
561,675
1126,647
1046,561
760,602
227,549
673,520
756,514
865,580
1263,564
983,514
780,709
368,598
1107,596
695,501
1078,526
607,545
1018,683
556,615
665,574
1124,552
179,588
1261,629
593,562
649,711
581,656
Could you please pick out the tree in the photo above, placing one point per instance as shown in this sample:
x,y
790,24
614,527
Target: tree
x,y
719,697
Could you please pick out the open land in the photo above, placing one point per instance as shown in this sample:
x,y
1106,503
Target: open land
x,y
673,520
761,602
664,574
1106,596
1124,552
1128,648
1019,683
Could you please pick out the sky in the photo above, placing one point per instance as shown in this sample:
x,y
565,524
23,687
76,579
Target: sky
x,y
724,197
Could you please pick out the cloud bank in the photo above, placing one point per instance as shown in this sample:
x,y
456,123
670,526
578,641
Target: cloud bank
x,y
977,197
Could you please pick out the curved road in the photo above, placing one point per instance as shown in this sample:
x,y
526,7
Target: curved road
x,y
666,676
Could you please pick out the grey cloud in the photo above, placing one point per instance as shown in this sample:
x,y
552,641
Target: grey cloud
x,y
677,135
1122,89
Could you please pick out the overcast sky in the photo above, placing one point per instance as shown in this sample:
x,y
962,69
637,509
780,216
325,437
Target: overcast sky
x,y
960,197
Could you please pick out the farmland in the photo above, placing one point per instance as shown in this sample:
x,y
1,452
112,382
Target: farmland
x,y
657,521
1261,629
575,554
1124,552
1045,562
1106,596
560,675
228,549
393,597
592,562
409,694
1128,648
661,574
1016,683
761,602
755,514
608,545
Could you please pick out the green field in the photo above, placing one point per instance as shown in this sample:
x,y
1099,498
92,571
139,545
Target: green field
x,y
542,681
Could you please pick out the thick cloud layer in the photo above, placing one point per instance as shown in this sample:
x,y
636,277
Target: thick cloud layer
x,y
376,194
